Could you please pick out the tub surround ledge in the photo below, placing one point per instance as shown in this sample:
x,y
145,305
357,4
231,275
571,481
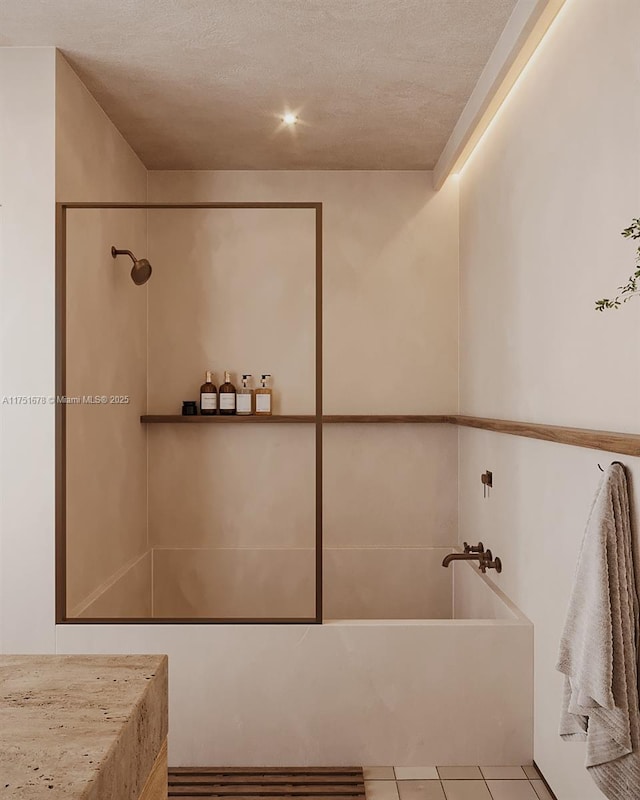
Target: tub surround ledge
x,y
90,727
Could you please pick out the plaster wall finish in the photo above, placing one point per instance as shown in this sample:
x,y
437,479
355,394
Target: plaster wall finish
x,y
202,85
542,201
232,520
232,289
387,349
384,234
106,353
234,583
128,594
233,509
390,516
93,160
27,252
231,486
106,445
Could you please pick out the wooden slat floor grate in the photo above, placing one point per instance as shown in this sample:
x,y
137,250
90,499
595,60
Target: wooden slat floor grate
x,y
276,783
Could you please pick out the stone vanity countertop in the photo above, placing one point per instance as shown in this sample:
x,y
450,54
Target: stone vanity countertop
x,y
80,727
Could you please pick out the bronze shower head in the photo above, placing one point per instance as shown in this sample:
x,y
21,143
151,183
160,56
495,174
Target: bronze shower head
x,y
141,270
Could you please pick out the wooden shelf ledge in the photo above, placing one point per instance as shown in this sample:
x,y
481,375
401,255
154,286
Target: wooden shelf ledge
x,y
231,418
609,441
336,418
389,418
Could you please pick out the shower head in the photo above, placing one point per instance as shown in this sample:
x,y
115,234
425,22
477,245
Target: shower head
x,y
141,269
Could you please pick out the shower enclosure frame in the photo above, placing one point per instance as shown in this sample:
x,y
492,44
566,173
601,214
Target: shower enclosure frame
x,y
60,422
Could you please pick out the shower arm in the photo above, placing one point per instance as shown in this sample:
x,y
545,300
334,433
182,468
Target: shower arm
x,y
115,252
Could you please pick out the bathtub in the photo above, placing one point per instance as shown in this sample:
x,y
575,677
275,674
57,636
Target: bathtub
x,y
367,692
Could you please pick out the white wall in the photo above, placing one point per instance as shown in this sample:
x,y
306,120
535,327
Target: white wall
x,y
33,173
27,253
542,202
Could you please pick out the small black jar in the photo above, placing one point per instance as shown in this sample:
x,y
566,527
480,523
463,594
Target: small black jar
x,y
189,408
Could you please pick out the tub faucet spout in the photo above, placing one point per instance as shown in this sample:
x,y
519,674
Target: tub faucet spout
x,y
479,557
485,560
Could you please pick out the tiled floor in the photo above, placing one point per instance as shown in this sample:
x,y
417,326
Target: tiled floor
x,y
454,783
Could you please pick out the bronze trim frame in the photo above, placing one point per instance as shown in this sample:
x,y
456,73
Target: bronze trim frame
x,y
60,425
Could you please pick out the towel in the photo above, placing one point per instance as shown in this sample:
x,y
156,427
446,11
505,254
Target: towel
x,y
599,646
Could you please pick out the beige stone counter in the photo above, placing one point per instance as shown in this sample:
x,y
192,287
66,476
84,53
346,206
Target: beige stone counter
x,y
89,727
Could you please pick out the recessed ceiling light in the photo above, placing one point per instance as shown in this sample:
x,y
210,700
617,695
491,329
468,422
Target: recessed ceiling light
x,y
289,118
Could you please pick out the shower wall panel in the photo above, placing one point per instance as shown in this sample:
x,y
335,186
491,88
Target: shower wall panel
x,y
106,445
390,516
390,298
106,355
232,508
232,289
235,290
232,520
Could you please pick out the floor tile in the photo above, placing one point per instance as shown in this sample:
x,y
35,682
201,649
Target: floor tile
x,y
504,773
420,790
460,773
378,773
416,773
511,790
531,772
541,790
466,790
381,790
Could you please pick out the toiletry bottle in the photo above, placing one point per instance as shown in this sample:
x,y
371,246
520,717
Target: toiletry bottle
x,y
263,396
244,397
227,396
208,396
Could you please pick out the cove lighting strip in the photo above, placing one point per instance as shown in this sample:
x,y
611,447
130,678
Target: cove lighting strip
x,y
457,154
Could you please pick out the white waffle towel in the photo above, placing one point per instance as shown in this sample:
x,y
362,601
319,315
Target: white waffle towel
x,y
599,646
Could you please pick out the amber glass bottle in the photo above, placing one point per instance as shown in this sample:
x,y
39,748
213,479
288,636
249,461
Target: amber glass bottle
x,y
227,396
208,396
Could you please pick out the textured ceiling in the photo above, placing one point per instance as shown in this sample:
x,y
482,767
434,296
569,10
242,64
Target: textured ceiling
x,y
199,84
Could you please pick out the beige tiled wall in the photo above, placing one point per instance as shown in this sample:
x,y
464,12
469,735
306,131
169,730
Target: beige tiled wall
x,y
387,583
235,290
390,485
390,295
232,289
106,347
232,518
232,486
106,445
251,583
129,595
390,516
232,510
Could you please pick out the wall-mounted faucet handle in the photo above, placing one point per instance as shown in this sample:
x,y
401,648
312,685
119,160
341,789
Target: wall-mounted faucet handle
x,y
496,564
470,548
489,562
